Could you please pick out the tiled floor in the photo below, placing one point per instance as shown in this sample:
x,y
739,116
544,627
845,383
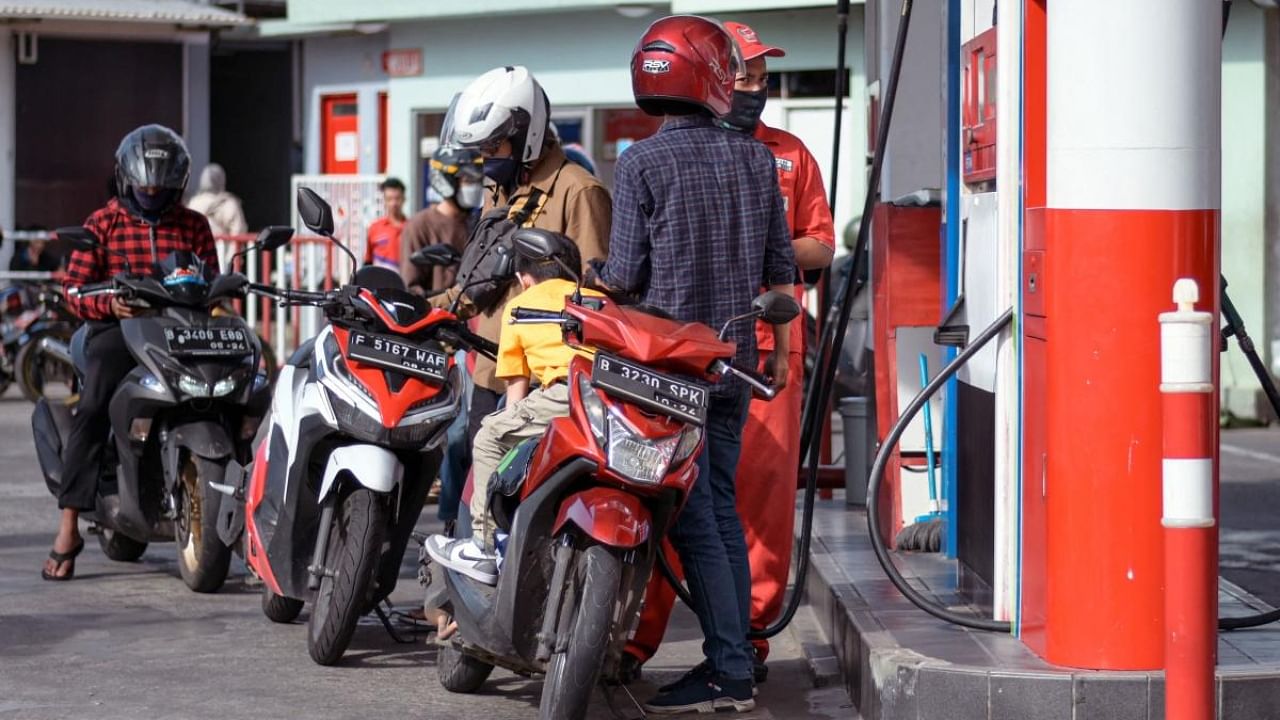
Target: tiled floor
x,y
902,663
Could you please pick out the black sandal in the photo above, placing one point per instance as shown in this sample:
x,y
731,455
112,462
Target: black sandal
x,y
60,558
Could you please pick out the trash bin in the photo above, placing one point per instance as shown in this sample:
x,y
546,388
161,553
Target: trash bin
x,y
855,414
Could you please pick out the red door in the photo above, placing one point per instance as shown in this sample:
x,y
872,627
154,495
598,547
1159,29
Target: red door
x,y
382,132
340,135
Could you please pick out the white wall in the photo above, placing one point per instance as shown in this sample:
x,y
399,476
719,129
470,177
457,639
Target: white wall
x,y
338,65
8,130
1244,194
581,59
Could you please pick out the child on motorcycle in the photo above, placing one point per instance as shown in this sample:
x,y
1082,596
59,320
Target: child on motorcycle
x,y
525,353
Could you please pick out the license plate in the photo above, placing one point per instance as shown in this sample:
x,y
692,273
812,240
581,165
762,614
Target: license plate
x,y
656,391
207,342
398,355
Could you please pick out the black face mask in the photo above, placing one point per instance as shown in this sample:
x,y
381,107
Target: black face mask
x,y
745,113
502,171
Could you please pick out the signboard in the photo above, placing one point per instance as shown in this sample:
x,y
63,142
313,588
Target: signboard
x,y
402,63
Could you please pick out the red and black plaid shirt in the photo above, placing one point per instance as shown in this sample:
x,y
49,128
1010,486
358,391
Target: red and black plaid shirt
x,y
118,229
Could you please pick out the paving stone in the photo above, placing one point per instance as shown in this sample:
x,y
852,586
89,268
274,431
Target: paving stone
x,y
1100,696
1031,696
953,694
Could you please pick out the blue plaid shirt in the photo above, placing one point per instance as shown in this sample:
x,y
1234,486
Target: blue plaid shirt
x,y
699,226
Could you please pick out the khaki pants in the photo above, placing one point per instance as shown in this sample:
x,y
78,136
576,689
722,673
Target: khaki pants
x,y
502,431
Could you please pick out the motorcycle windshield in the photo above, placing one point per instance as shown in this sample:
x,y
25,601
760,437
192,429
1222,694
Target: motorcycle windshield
x,y
184,277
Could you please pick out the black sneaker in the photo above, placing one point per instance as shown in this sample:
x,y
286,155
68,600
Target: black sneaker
x,y
713,694
700,672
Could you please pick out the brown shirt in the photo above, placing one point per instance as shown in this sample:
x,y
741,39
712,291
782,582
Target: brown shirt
x,y
431,227
577,205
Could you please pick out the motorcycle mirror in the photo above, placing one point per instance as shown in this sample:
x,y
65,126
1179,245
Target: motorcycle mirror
x,y
273,237
435,255
506,266
775,307
80,238
535,244
316,214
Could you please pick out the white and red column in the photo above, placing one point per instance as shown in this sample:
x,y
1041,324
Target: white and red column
x,y
1132,148
1187,350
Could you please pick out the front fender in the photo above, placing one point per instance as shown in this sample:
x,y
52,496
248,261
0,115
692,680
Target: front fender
x,y
612,517
373,467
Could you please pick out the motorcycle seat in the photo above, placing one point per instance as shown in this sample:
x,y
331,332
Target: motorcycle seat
x,y
376,277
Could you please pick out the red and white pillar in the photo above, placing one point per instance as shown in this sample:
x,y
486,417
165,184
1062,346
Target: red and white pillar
x,y
1132,201
1187,349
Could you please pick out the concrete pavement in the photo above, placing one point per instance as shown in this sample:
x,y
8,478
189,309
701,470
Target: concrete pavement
x,y
128,640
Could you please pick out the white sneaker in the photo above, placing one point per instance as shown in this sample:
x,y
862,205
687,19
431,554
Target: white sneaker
x,y
465,556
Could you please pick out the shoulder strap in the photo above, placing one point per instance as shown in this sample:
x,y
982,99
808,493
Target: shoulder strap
x,y
532,206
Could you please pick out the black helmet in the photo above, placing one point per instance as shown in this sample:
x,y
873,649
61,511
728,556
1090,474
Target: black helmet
x,y
450,166
152,156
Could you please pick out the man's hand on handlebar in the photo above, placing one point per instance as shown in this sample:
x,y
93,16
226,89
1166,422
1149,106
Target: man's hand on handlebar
x,y
121,309
777,369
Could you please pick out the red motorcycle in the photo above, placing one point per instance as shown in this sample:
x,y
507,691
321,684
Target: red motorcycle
x,y
587,505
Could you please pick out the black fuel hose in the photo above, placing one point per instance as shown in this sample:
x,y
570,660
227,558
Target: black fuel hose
x,y
876,480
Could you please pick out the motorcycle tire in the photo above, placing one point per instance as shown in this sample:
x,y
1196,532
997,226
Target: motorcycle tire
x,y
280,609
29,370
351,558
459,672
572,674
120,547
203,559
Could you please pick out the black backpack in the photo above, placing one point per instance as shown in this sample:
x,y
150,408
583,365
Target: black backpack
x,y
487,268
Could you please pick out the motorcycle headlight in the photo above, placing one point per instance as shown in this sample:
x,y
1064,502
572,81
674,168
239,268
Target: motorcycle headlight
x,y
638,457
226,385
690,441
192,386
593,406
152,383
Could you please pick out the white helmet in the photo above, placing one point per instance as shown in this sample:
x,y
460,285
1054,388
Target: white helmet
x,y
504,103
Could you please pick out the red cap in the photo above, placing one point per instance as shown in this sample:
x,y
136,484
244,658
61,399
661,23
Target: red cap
x,y
750,43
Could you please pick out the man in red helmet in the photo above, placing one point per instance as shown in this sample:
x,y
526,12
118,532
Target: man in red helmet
x,y
766,484
698,226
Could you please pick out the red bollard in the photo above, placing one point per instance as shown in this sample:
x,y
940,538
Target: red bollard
x,y
1190,526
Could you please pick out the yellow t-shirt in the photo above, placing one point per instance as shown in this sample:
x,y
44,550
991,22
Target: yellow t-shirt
x,y
537,351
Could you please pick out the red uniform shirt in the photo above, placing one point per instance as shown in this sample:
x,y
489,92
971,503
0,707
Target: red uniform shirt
x,y
122,232
383,247
805,199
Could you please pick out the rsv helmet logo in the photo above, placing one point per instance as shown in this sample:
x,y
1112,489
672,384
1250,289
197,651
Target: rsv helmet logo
x,y
656,67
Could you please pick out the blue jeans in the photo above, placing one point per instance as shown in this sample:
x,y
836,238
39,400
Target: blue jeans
x,y
457,452
708,537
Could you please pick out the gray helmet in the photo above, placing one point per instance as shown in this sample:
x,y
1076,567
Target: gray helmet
x,y
451,165
152,156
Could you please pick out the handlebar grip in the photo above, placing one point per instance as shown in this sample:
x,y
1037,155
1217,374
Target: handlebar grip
x,y
481,345
92,289
527,314
759,383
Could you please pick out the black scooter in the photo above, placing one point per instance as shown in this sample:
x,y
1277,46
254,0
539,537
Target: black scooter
x,y
192,405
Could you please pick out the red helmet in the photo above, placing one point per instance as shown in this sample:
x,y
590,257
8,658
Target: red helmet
x,y
685,60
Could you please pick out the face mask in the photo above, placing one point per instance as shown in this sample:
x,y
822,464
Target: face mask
x,y
745,113
501,171
152,204
469,195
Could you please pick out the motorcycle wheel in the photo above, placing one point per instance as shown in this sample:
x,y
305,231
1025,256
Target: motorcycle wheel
x,y
351,558
572,674
278,608
203,559
459,672
31,367
120,547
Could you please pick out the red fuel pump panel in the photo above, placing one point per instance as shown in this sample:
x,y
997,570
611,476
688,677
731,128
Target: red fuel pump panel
x,y
978,114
